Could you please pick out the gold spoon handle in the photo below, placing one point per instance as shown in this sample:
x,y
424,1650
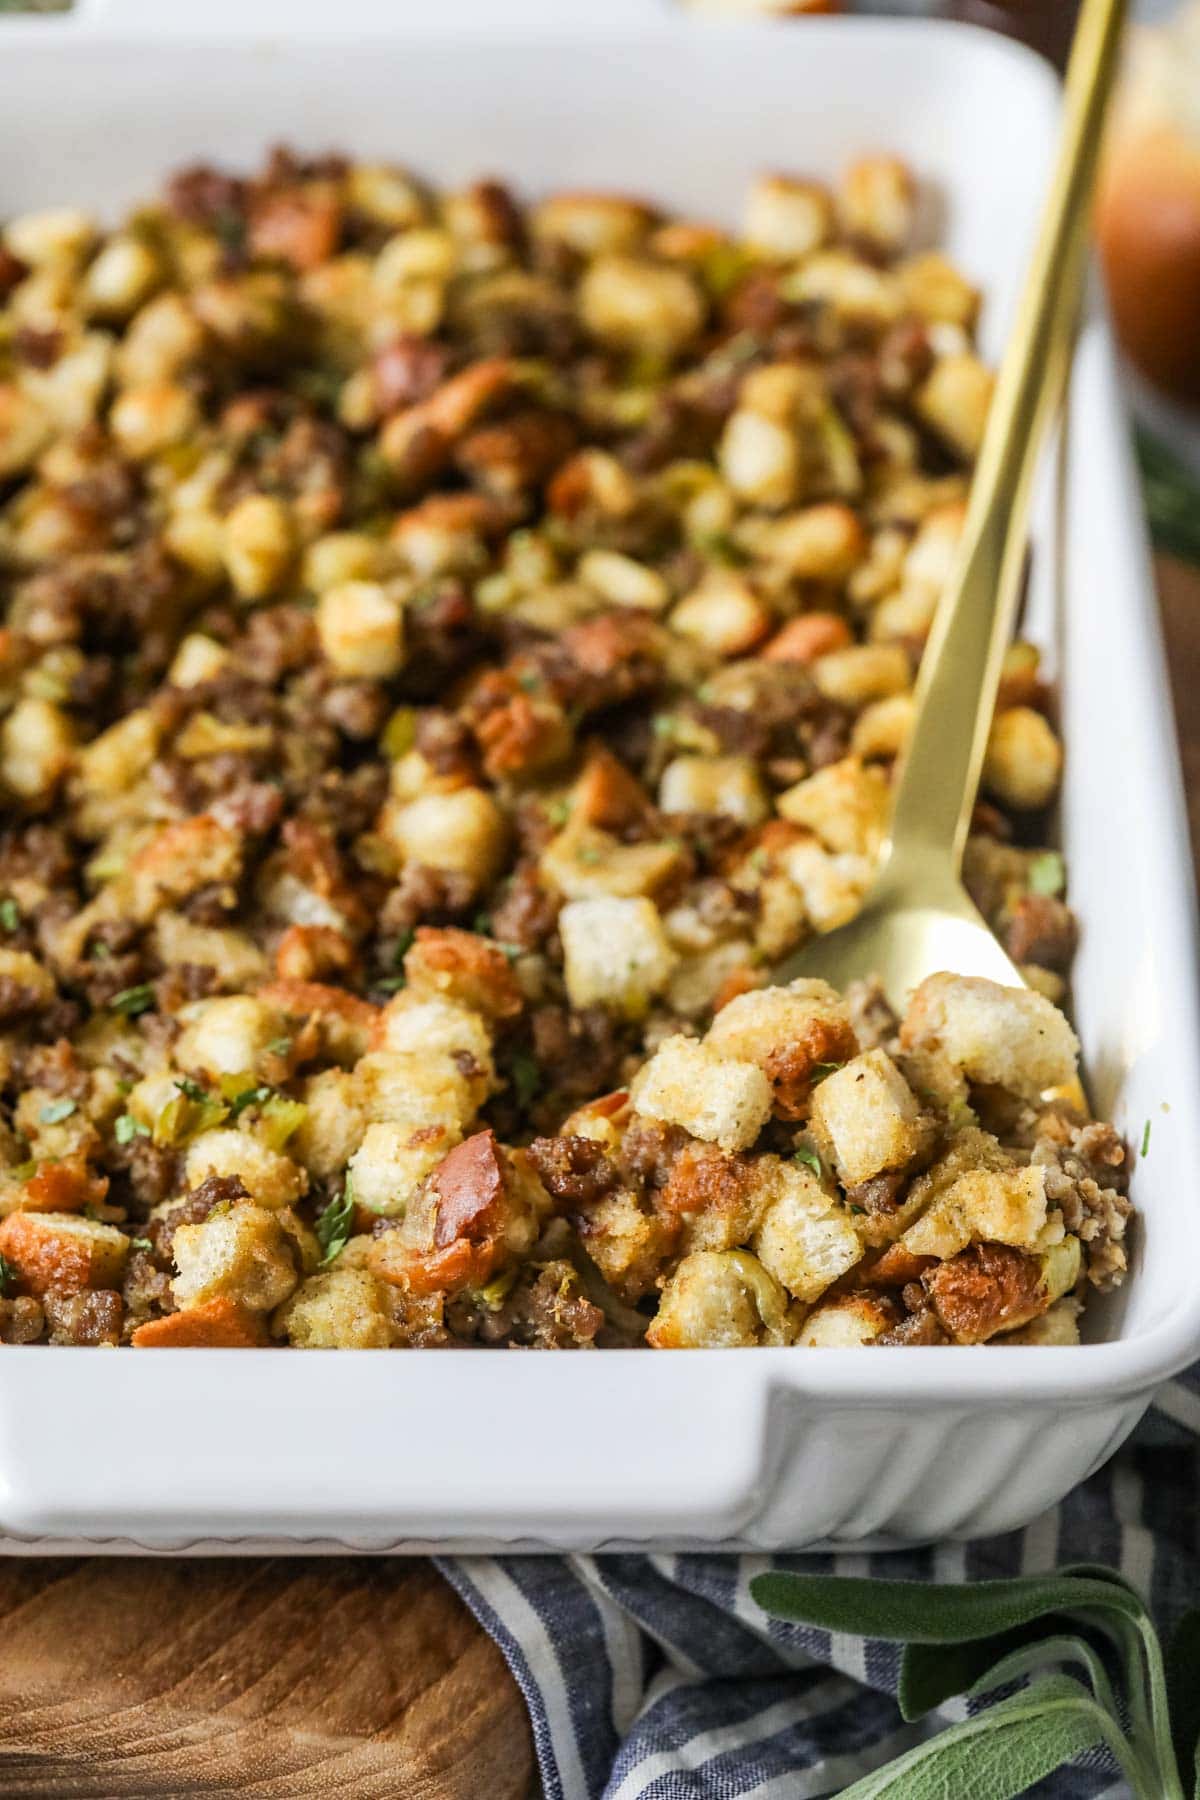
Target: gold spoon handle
x,y
960,670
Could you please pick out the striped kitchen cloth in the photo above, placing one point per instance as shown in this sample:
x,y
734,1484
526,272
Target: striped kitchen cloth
x,y
658,1678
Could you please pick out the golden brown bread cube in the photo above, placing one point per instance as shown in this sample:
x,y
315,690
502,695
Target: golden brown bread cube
x,y
242,1253
807,1238
721,1300
62,1251
1007,1037
337,1309
865,1118
791,1033
717,1098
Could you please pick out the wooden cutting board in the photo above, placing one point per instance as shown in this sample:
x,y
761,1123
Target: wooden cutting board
x,y
306,1677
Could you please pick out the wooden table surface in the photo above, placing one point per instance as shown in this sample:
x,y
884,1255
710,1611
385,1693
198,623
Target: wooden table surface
x,y
315,1676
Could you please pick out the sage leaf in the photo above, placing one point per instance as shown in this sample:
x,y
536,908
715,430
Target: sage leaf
x,y
1132,1629
931,1674
1003,1752
919,1612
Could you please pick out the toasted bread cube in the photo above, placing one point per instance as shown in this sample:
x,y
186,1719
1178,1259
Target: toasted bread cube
x,y
863,672
1024,759
628,1243
145,421
721,1300
1008,1037
118,757
123,275
937,292
462,832
463,967
1002,1206
361,628
591,224
832,886
62,1251
394,1158
1058,1326
616,954
728,785
877,201
220,1324
846,804
954,401
36,747
820,543
760,459
622,580
58,236
720,1199
333,1124
408,1088
270,1178
789,1032
244,1254
724,1101
340,557
28,984
429,1025
807,1238
985,1289
723,615
235,957
259,544
882,728
865,1119
226,1036
633,304
786,218
337,1309
844,1323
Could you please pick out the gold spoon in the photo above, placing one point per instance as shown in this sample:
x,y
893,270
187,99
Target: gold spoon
x,y
917,917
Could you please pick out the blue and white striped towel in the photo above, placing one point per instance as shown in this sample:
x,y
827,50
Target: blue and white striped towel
x,y
658,1678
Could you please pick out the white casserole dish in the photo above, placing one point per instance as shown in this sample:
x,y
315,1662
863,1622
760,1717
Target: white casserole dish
x,y
776,1448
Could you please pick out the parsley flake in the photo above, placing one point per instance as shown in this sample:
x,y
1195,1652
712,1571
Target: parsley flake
x,y
526,1077
55,1111
190,1089
10,914
127,1128
133,1000
280,1046
823,1070
333,1226
1146,1138
8,1275
809,1158
140,1244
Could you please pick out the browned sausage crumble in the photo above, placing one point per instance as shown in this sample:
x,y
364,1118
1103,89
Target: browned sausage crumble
x,y
453,648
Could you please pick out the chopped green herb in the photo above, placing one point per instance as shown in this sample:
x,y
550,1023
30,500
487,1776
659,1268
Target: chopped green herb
x,y
722,548
55,1111
511,951
8,1275
10,914
857,1209
191,1089
403,945
558,812
664,725
133,1000
251,1096
280,1046
1146,1138
1046,873
529,680
127,1128
482,924
333,1226
808,1156
140,1244
526,1077
391,984
822,1070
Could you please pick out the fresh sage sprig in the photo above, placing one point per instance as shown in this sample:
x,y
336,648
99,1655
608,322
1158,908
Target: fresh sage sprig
x,y
980,1637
